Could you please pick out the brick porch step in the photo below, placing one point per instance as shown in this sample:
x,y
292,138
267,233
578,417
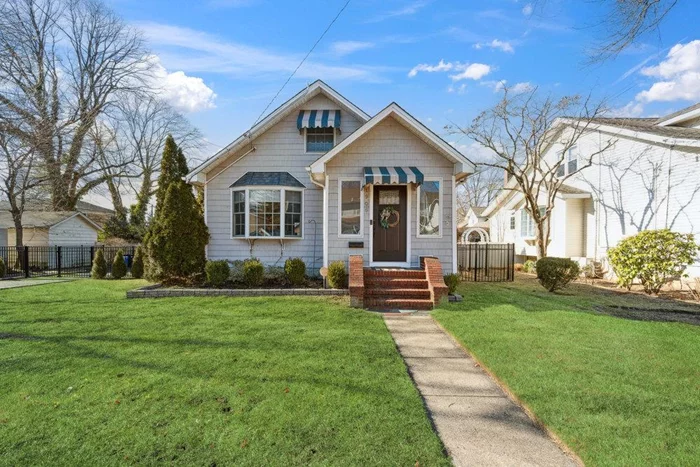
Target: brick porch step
x,y
396,273
398,304
393,292
395,283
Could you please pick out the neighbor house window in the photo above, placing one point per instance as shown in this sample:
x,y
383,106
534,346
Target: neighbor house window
x,y
512,222
320,139
568,164
429,212
266,213
350,206
527,223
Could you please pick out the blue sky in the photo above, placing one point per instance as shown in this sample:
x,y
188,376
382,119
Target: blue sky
x,y
224,60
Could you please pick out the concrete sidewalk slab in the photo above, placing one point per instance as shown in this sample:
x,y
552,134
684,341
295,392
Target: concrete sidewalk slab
x,y
16,283
476,420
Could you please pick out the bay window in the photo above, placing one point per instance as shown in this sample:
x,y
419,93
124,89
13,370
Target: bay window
x,y
429,212
258,212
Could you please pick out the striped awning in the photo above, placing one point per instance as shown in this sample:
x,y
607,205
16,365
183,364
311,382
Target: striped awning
x,y
392,175
318,119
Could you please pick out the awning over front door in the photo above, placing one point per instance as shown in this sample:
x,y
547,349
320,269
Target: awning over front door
x,y
392,175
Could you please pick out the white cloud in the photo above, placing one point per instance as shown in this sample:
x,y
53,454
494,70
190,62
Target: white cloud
x,y
527,9
184,93
347,47
504,46
441,66
461,89
632,109
519,88
194,51
408,10
679,75
473,71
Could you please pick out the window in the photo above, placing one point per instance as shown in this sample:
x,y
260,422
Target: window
x,y
429,212
320,139
512,222
527,223
568,164
351,208
266,213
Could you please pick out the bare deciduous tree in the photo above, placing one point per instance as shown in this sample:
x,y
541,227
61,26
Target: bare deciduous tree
x,y
520,131
478,190
63,65
19,180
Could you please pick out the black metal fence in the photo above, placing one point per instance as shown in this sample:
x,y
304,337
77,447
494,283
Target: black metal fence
x,y
486,262
59,261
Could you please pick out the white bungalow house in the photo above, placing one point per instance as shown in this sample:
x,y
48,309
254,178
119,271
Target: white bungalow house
x,y
50,228
320,179
648,179
475,226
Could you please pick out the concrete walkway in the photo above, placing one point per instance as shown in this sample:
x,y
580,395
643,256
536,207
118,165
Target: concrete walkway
x,y
15,283
477,422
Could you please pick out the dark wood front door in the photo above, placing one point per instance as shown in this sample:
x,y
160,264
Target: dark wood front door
x,y
389,224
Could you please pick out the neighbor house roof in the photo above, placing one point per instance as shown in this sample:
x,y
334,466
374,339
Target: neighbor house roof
x,y
478,209
268,179
395,111
688,113
43,219
293,104
650,125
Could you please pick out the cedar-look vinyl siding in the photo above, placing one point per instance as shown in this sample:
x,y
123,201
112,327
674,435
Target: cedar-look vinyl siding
x,y
281,148
72,232
3,237
391,144
31,236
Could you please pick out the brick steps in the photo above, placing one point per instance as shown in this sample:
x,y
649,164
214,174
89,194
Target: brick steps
x,y
396,289
398,304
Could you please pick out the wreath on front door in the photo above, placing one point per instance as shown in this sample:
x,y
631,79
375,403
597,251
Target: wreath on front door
x,y
386,214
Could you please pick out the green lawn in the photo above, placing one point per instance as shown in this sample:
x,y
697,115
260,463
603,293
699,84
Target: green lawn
x,y
618,392
88,377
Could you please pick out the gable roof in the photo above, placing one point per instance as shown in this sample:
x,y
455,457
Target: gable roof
x,y
43,219
412,124
649,125
688,113
303,96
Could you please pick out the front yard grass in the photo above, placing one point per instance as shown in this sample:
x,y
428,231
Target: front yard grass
x,y
618,392
90,378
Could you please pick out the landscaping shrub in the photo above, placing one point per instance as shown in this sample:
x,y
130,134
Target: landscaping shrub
x,y
275,276
530,266
518,267
556,273
119,269
217,272
253,273
655,257
295,269
99,265
137,264
3,268
452,281
337,277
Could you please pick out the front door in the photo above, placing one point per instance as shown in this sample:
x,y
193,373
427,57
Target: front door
x,y
389,223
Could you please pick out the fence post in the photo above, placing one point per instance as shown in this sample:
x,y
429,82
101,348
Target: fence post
x,y
92,258
58,260
26,261
486,259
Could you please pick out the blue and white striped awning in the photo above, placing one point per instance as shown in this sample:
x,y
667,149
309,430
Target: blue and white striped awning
x,y
318,119
392,175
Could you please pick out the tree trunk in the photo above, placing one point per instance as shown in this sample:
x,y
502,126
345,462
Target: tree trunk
x,y
143,197
541,242
19,232
116,198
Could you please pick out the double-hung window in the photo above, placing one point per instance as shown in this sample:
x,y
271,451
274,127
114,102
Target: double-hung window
x,y
262,212
429,211
568,163
351,208
527,223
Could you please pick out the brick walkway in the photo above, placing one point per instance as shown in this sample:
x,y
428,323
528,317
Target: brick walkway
x,y
477,422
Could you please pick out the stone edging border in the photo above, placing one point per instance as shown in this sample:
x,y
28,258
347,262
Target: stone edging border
x,y
156,291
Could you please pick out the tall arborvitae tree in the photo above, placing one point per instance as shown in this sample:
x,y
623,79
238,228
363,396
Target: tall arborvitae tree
x,y
177,236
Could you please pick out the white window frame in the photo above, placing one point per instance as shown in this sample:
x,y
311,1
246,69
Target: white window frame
x,y
532,219
512,222
340,205
564,160
441,199
335,141
283,211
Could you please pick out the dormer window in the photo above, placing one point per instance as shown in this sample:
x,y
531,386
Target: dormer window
x,y
320,139
319,128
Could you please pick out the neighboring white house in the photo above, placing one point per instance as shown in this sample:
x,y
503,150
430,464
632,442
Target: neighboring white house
x,y
50,228
649,179
320,179
475,226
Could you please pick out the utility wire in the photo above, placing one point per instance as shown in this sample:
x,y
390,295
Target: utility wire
x,y
301,63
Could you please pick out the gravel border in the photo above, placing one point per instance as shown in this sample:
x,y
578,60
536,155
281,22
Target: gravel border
x,y
157,291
